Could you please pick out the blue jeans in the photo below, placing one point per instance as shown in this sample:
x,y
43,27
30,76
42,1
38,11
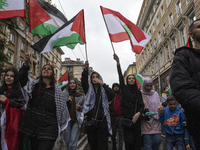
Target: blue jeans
x,y
172,140
152,141
72,135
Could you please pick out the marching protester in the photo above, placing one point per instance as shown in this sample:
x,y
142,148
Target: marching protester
x,y
132,107
174,122
96,108
46,114
150,126
116,115
11,103
3,72
74,100
184,81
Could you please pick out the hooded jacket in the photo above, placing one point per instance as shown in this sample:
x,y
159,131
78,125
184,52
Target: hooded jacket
x,y
185,84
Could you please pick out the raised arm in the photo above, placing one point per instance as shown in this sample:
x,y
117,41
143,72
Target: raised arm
x,y
84,78
23,72
121,78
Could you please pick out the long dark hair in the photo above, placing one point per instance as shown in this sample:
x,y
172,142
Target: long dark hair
x,y
41,84
68,88
16,85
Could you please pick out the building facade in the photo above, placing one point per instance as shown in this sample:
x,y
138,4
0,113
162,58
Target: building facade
x,y
20,41
167,22
130,70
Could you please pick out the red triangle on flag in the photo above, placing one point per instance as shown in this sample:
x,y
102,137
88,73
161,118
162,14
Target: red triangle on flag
x,y
64,77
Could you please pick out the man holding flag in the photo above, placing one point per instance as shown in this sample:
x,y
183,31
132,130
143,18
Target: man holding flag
x,y
185,80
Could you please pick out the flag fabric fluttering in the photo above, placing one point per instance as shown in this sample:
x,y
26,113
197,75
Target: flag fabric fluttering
x,y
121,29
44,18
69,35
63,81
12,8
139,79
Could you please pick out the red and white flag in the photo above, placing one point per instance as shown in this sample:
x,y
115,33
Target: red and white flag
x,y
121,29
12,8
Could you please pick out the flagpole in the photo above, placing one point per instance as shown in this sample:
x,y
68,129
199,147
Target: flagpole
x,y
85,37
107,30
26,45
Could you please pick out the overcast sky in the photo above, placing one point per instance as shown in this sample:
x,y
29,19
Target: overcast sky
x,y
99,49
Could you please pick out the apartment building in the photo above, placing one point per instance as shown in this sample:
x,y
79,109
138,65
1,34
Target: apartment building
x,y
130,70
167,22
20,41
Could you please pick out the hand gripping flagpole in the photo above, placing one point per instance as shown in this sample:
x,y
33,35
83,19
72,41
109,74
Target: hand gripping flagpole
x,y
107,30
85,37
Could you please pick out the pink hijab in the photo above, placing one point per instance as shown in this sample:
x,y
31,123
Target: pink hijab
x,y
153,99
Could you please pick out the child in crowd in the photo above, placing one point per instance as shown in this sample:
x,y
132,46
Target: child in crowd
x,y
174,122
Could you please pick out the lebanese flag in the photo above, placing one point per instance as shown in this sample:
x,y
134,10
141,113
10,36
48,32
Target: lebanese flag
x,y
44,18
68,35
121,29
12,8
11,138
63,81
139,79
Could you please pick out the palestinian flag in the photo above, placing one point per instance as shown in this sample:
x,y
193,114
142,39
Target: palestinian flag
x,y
170,90
139,79
44,18
189,43
12,8
11,138
63,81
121,29
69,34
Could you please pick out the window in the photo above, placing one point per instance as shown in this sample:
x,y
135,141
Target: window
x,y
12,37
157,63
21,62
173,43
152,66
161,59
164,29
171,22
167,53
182,37
151,49
188,1
162,11
157,19
159,37
148,54
22,46
150,33
153,28
70,68
178,9
11,56
155,43
3,28
168,2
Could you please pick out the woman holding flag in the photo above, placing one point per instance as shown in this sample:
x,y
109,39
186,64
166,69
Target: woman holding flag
x,y
46,114
74,100
132,108
11,103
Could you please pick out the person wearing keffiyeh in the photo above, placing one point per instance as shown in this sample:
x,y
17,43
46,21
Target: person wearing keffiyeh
x,y
74,100
96,108
46,115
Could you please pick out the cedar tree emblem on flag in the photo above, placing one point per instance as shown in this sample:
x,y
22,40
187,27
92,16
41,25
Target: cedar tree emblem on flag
x,y
121,29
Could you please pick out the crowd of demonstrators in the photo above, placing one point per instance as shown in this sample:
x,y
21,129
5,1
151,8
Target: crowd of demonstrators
x,y
132,108
116,116
74,100
184,81
150,126
11,102
3,72
174,123
96,107
46,115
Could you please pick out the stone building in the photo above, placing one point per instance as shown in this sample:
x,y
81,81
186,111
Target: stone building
x,y
167,22
130,70
20,41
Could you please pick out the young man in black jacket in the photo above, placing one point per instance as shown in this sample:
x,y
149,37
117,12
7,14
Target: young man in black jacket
x,y
185,81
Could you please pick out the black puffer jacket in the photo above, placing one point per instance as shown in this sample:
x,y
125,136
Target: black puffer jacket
x,y
185,84
127,100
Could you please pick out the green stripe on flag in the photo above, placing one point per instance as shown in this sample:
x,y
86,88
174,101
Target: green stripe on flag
x,y
44,29
70,41
127,30
59,83
170,91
